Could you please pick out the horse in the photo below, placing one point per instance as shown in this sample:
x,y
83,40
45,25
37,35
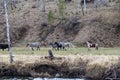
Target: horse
x,y
89,45
57,46
34,44
67,44
4,46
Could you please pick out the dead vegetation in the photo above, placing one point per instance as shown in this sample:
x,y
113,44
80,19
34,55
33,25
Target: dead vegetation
x,y
92,67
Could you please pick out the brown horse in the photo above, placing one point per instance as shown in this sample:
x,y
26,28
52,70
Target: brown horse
x,y
90,45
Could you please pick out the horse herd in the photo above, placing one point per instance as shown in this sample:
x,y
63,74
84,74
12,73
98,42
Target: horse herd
x,y
54,45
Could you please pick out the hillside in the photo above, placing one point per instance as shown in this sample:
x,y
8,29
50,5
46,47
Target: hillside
x,y
28,24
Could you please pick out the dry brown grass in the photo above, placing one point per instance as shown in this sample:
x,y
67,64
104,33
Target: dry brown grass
x,y
94,66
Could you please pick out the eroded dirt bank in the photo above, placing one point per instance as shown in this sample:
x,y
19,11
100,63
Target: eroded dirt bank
x,y
94,67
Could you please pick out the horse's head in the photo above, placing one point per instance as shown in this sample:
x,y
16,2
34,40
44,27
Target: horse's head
x,y
56,43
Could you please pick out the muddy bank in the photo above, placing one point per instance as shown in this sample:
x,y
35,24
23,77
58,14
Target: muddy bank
x,y
92,67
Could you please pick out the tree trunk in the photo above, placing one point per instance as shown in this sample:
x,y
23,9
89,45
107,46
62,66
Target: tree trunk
x,y
85,8
42,5
56,2
8,33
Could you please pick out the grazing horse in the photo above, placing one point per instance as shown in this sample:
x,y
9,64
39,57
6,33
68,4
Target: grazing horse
x,y
89,45
57,46
3,46
34,44
61,45
67,44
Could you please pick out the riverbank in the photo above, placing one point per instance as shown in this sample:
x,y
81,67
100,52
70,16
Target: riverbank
x,y
97,67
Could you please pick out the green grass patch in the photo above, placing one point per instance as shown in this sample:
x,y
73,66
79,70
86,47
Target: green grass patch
x,y
70,51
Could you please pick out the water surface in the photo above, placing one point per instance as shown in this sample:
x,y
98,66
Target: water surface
x,y
30,78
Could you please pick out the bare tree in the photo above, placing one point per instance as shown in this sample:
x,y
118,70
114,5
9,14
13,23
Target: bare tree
x,y
8,33
42,5
56,2
85,9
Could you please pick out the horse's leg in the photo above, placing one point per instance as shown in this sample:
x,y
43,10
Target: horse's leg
x,y
64,48
55,48
68,46
96,46
58,48
32,48
61,48
38,48
88,47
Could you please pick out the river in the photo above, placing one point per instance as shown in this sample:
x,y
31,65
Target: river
x,y
30,78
